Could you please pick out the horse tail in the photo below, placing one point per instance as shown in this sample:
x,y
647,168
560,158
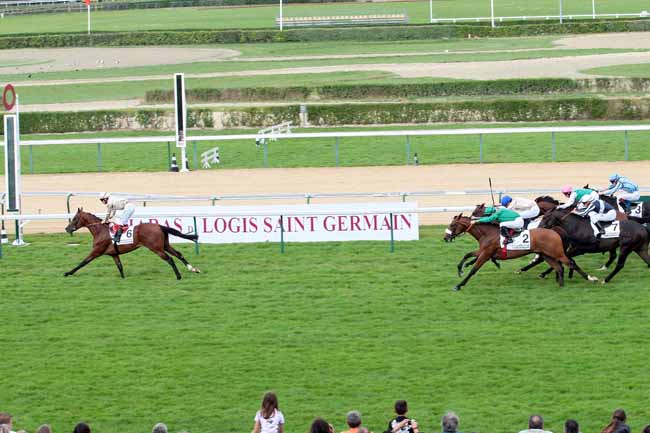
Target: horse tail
x,y
171,231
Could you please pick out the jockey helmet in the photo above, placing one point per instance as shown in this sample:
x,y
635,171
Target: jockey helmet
x,y
104,196
567,189
614,177
505,200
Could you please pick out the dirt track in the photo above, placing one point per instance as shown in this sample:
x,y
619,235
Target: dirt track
x,y
311,180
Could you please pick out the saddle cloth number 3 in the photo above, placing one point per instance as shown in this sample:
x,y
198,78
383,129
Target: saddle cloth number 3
x,y
637,212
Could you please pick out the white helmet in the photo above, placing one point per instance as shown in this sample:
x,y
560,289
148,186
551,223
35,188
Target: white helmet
x,y
104,195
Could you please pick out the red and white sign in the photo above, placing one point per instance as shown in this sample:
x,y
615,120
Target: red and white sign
x,y
313,223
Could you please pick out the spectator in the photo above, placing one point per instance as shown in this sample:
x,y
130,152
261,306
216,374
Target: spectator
x,y
450,422
617,424
159,428
4,428
44,429
82,427
571,426
535,425
7,420
319,426
401,423
269,419
646,429
353,418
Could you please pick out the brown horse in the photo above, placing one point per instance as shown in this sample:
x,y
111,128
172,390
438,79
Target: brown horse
x,y
545,242
152,236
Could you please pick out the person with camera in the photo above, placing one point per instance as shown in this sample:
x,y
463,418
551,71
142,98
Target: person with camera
x,y
401,423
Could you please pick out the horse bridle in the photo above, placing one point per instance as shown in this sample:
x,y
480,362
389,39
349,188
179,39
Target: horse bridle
x,y
453,236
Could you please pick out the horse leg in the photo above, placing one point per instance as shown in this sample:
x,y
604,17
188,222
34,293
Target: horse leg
x,y
92,256
559,270
118,263
462,264
536,261
480,261
625,251
180,257
612,257
643,253
573,266
163,255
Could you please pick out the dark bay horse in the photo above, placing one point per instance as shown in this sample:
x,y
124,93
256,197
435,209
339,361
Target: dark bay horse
x,y
545,242
645,209
634,237
152,236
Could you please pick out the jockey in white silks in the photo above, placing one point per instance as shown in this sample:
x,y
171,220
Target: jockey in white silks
x,y
113,204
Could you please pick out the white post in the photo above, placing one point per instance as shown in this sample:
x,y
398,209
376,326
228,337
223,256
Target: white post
x,y
560,11
430,11
281,17
492,12
593,9
88,18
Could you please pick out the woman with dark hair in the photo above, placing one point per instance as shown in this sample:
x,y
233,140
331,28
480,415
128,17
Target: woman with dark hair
x,y
320,426
269,419
617,424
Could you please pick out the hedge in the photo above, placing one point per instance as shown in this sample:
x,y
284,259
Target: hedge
x,y
385,33
545,86
504,110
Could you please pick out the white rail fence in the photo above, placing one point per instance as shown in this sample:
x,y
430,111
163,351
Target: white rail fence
x,y
406,134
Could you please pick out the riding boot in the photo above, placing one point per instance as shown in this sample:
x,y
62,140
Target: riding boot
x,y
118,235
505,232
601,230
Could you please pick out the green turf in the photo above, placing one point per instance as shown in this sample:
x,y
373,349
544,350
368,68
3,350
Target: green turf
x,y
329,327
236,66
264,16
636,71
352,151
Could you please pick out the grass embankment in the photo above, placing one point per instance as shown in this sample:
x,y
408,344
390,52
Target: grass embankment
x,y
635,71
330,327
352,151
264,16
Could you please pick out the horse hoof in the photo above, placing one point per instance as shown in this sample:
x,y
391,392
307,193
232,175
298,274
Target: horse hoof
x,y
518,271
603,282
456,289
602,268
592,278
460,274
67,274
541,276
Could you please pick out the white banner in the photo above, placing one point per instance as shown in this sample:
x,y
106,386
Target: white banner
x,y
309,223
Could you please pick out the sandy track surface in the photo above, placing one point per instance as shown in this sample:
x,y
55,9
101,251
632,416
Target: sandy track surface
x,y
457,177
70,59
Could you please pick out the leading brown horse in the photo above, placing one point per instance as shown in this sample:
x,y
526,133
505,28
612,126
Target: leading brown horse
x,y
152,236
545,242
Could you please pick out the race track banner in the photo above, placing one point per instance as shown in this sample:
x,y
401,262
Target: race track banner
x,y
315,222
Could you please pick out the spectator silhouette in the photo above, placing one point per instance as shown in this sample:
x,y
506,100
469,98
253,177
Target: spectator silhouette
x,y
269,419
401,423
617,424
571,426
353,418
82,427
450,422
7,420
535,425
320,426
646,429
44,429
159,428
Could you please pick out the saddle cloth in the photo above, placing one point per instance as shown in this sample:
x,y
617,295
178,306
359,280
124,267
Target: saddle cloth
x,y
637,210
127,233
612,230
519,242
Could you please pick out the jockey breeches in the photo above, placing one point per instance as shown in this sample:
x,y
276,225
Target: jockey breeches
x,y
517,224
530,213
127,213
630,196
607,216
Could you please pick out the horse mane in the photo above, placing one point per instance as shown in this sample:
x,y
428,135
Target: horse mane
x,y
92,216
547,199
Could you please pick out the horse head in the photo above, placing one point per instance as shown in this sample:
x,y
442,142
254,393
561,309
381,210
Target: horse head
x,y
553,218
546,203
81,219
459,225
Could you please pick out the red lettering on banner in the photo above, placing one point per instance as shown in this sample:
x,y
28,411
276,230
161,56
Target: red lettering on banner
x,y
406,219
354,223
312,226
329,228
341,223
295,223
234,228
223,225
268,227
178,223
371,222
151,220
385,223
253,224
205,226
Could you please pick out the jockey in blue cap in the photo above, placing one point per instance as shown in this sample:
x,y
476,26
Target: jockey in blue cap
x,y
526,208
626,190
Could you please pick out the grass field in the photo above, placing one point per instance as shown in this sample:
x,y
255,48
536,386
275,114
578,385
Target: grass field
x,y
352,151
330,327
636,71
264,16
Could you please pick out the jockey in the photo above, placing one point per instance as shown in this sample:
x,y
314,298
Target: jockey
x,y
576,196
627,190
113,204
508,219
597,211
527,209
